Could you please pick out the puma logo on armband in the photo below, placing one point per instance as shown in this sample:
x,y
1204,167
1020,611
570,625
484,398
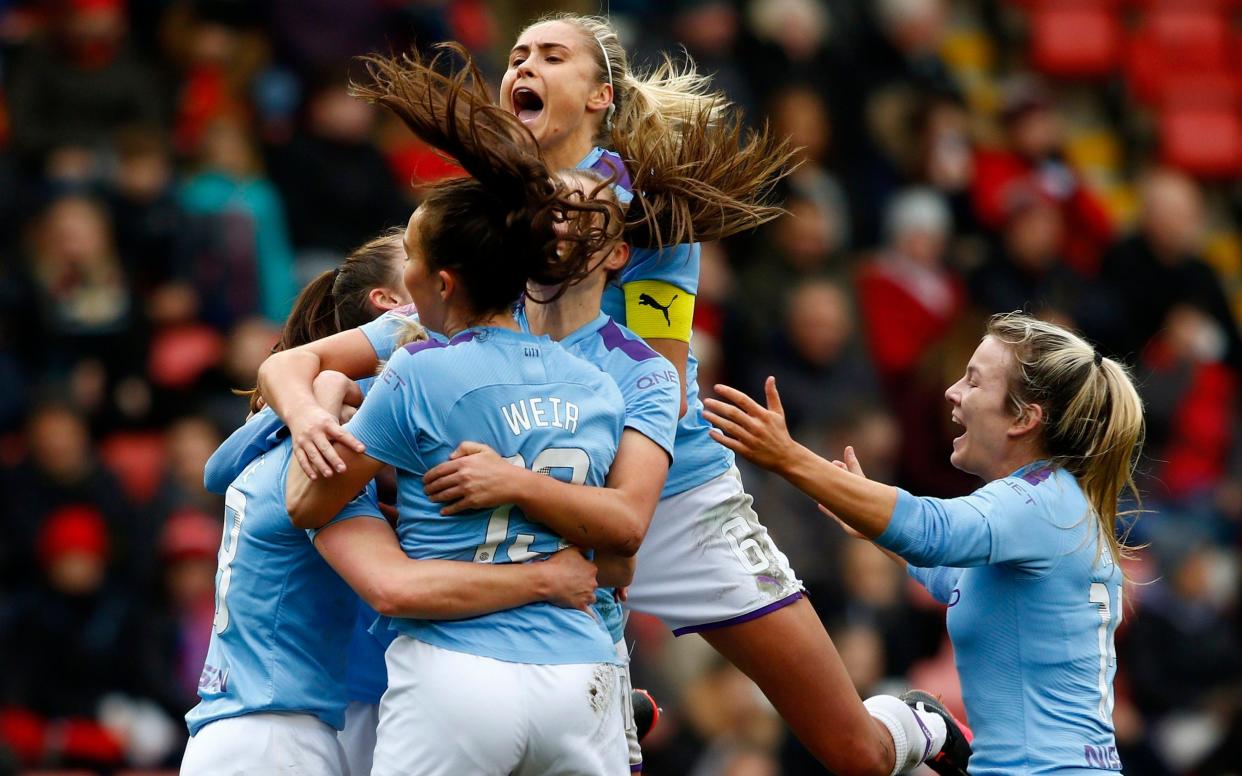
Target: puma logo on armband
x,y
647,300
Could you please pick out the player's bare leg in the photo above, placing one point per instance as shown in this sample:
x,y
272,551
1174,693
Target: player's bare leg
x,y
793,660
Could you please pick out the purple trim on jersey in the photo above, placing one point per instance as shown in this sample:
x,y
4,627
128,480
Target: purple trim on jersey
x,y
772,607
636,768
609,164
427,344
1036,476
637,350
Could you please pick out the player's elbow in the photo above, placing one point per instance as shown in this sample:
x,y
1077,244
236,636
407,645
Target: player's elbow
x,y
302,509
629,538
385,600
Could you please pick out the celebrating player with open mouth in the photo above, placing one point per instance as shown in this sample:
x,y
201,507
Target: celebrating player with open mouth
x,y
1028,564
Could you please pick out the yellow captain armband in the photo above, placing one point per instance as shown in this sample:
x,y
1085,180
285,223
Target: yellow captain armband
x,y
658,310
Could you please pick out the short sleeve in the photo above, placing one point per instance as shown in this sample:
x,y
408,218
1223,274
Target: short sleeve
x,y
262,432
653,401
659,289
365,504
1002,522
384,332
388,418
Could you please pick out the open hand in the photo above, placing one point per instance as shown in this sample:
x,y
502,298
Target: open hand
x,y
313,433
851,465
756,433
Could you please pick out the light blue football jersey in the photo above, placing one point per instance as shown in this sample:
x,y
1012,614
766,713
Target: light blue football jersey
x,y
384,331
533,403
283,616
652,396
261,432
366,675
1034,600
699,458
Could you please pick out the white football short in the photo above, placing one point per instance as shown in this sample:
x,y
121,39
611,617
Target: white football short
x,y
627,709
358,737
449,713
708,562
293,744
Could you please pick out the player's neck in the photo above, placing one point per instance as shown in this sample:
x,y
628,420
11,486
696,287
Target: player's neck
x,y
455,324
577,307
566,154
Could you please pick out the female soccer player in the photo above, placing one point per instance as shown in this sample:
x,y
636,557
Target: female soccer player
x,y
273,687
560,85
533,689
1028,564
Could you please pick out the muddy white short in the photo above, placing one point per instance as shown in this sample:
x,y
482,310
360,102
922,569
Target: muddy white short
x,y
449,713
708,562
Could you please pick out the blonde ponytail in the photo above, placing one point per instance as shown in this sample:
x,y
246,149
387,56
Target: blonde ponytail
x,y
1092,415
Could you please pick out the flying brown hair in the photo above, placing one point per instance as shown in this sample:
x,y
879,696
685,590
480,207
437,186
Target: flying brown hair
x,y
505,225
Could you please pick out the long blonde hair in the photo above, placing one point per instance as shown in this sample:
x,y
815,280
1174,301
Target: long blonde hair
x,y
1092,415
697,173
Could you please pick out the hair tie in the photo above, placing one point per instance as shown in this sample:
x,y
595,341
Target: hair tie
x,y
1099,359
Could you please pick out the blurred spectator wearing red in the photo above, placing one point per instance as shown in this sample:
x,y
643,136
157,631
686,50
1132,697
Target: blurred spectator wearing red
x,y
1034,157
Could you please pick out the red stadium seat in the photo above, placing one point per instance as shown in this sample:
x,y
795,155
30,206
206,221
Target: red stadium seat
x,y
1176,44
137,459
1203,140
179,355
1075,39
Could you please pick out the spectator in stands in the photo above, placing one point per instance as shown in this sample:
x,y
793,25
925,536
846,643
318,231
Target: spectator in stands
x,y
66,645
908,297
1182,650
60,469
81,84
1159,266
84,297
149,223
336,185
1026,270
799,113
1034,157
178,627
229,183
1194,415
804,244
816,357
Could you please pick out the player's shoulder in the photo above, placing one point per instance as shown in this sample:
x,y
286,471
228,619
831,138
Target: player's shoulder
x,y
1047,489
677,265
620,342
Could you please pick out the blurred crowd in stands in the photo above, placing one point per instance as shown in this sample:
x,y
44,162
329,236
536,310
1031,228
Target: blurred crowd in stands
x,y
171,172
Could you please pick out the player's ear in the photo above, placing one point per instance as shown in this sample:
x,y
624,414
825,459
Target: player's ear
x,y
618,257
383,299
1028,421
448,284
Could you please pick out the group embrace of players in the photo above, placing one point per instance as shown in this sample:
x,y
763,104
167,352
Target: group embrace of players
x,y
537,407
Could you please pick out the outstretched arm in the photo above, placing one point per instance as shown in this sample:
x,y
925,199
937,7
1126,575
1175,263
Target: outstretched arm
x,y
1002,522
612,519
367,555
760,435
